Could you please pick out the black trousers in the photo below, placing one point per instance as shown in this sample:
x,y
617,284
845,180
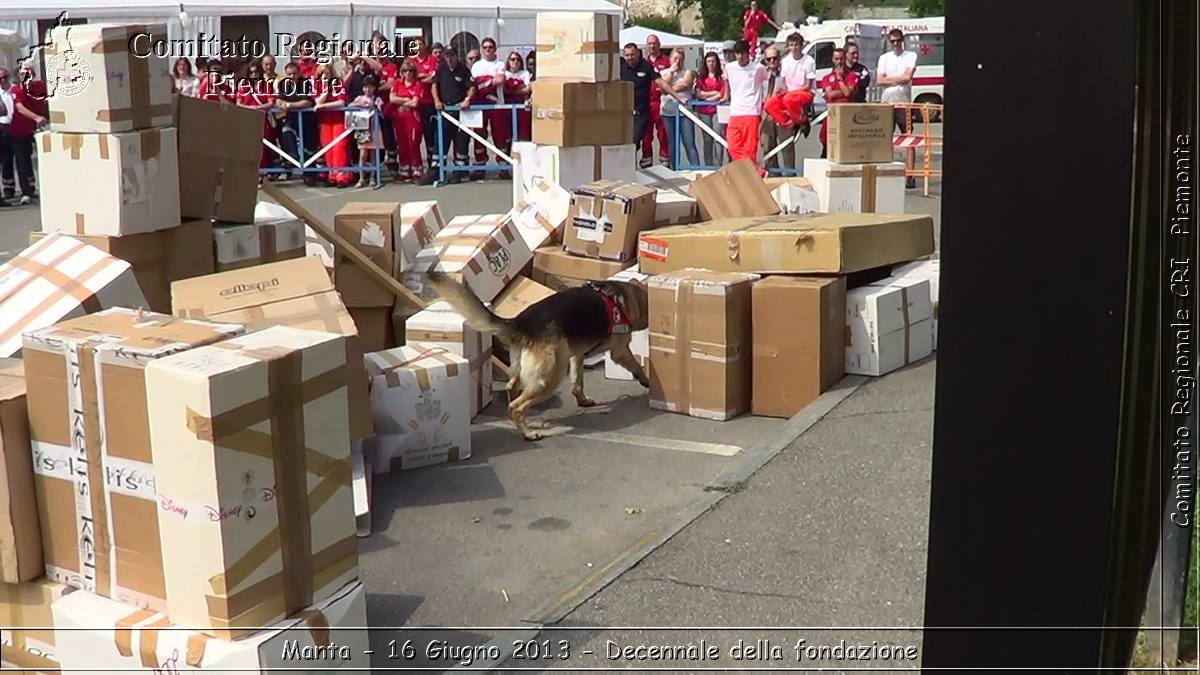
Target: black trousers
x,y
639,128
429,115
6,162
22,147
452,135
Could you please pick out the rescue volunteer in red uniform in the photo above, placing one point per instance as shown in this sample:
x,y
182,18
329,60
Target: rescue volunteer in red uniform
x,y
516,90
659,62
407,92
258,93
753,19
330,92
746,78
488,75
214,86
426,63
839,87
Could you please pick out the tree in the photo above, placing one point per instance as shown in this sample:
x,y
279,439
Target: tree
x,y
927,7
722,18
815,8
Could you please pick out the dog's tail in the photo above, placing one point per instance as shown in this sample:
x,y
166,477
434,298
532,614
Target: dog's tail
x,y
476,314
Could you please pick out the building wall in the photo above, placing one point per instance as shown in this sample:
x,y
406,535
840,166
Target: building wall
x,y
689,20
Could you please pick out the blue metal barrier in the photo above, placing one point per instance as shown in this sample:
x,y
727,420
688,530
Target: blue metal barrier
x,y
446,163
306,164
678,153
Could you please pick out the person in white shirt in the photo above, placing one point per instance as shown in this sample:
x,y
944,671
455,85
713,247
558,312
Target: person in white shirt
x,y
799,70
6,152
488,74
895,74
746,79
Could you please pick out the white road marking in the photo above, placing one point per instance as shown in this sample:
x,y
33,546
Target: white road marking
x,y
720,449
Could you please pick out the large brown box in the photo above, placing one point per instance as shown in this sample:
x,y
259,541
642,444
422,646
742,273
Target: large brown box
x,y
219,150
376,327
560,270
860,133
20,533
158,258
799,332
700,343
606,217
27,624
371,227
821,243
734,191
568,113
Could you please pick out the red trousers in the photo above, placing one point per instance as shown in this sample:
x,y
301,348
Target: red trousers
x,y
788,107
524,125
329,126
406,125
270,134
500,124
742,135
655,126
751,36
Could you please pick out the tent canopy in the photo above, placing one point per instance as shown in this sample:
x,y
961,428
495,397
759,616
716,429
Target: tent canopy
x,y
12,10
638,35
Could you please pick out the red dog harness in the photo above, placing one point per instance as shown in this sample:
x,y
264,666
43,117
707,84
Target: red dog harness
x,y
617,321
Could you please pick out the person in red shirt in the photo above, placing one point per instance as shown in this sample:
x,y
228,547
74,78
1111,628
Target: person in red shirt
x,y
388,72
258,93
28,113
660,62
753,19
426,63
839,87
406,94
330,96
517,90
214,86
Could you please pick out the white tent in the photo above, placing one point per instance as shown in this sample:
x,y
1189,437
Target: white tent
x,y
693,48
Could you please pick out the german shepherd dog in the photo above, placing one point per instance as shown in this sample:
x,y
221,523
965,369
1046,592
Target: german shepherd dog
x,y
555,334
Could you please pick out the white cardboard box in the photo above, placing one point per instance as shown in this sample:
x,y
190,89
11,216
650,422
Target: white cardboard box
x,y
857,188
96,633
420,396
59,278
419,224
438,325
889,325
109,184
487,252
579,46
539,216
928,270
570,167
639,341
238,246
796,200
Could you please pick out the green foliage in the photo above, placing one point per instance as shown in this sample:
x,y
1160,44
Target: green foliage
x,y
722,19
919,8
815,8
659,22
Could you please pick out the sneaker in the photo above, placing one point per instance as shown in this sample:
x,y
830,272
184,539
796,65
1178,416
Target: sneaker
x,y
26,199
362,182
428,179
478,176
910,183
644,163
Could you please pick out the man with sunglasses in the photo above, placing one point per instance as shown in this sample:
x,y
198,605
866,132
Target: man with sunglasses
x,y
895,74
488,74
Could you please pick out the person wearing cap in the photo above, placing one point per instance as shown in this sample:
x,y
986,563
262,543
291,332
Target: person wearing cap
x,y
727,51
746,78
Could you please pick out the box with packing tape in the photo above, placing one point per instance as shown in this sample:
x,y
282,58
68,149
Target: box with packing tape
x,y
108,87
822,243
98,633
238,246
109,184
700,343
734,191
438,325
296,293
27,635
421,396
860,133
483,252
20,532
857,188
252,466
158,258
88,408
606,218
518,296
58,278
220,146
569,113
889,324
795,200
371,228
569,167
539,216
639,341
579,46
419,222
673,204
559,270
927,270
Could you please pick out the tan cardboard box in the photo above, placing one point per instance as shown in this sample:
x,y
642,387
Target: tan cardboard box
x,y
518,296
773,182
569,168
568,113
158,258
826,243
97,634
799,341
371,227
20,533
25,606
700,343
735,191
606,218
440,326
90,436
559,270
485,252
59,278
857,188
252,465
296,293
673,204
376,330
110,184
238,246
219,150
860,133
580,46
111,81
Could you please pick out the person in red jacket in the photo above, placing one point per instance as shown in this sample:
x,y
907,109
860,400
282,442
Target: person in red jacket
x,y
258,93
839,87
753,19
330,95
517,90
214,86
28,114
660,62
426,62
406,94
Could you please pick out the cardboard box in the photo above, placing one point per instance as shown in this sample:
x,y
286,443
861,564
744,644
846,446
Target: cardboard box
x,y
109,184
27,635
735,191
827,243
485,252
421,396
857,188
219,150
927,270
799,341
238,246
158,258
90,435
568,113
20,533
540,215
560,270
660,177
700,343
106,86
774,182
376,331
639,340
296,293
314,244
440,326
371,227
418,224
673,204
795,200
860,133
606,218
580,46
889,325
570,167
96,633
518,296
252,465
59,278
362,466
